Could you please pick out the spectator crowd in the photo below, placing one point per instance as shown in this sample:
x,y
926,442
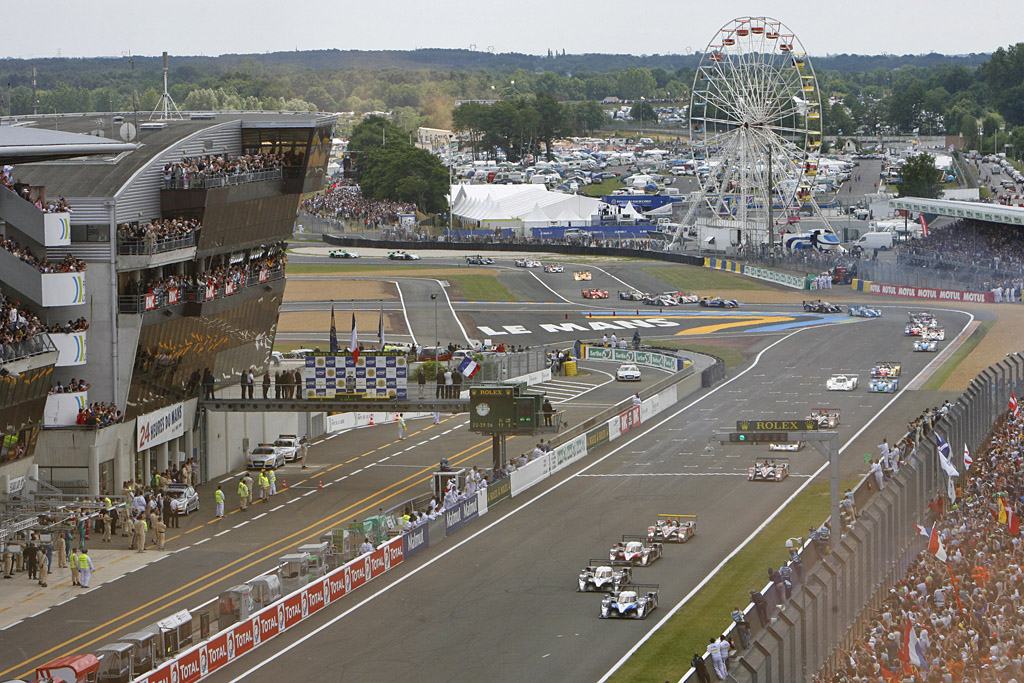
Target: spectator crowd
x,y
195,171
218,276
156,232
100,414
69,264
344,201
74,386
18,327
24,190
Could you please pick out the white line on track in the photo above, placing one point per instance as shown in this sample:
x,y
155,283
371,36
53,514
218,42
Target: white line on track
x,y
405,313
38,613
310,493
448,431
262,514
358,471
452,309
15,623
274,509
201,542
222,533
434,437
239,526
545,285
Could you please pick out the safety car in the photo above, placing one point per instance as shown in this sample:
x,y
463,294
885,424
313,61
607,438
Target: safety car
x,y
718,302
582,275
934,334
883,385
632,549
479,260
672,529
602,575
595,293
827,418
632,295
264,456
820,306
403,256
862,311
787,446
343,253
633,601
288,445
842,382
554,268
188,499
774,469
628,373
886,369
926,345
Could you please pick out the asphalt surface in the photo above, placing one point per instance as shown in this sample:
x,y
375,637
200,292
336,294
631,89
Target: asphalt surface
x,y
498,601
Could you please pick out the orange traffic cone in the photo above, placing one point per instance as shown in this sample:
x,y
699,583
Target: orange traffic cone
x,y
320,483
284,483
613,314
371,419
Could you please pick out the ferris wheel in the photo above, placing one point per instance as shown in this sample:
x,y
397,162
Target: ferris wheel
x,y
755,123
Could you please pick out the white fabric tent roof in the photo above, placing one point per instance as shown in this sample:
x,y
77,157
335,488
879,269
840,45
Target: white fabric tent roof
x,y
522,202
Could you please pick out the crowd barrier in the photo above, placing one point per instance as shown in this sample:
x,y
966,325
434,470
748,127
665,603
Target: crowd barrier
x,y
652,359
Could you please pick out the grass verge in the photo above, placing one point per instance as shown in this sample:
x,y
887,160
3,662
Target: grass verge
x,y
602,188
666,656
732,357
479,288
353,269
693,279
936,381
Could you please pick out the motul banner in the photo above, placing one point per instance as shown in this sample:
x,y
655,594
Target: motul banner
x,y
173,296
923,292
150,302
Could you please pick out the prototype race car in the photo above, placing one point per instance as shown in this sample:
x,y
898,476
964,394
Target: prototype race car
x,y
827,418
403,256
920,321
582,275
775,469
672,529
718,302
553,268
632,295
842,383
660,300
820,306
787,447
688,298
526,263
884,385
633,601
601,575
633,550
628,373
926,345
934,334
343,253
595,293
886,369
479,260
865,312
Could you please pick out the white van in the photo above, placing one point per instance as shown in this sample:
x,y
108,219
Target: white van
x,y
875,240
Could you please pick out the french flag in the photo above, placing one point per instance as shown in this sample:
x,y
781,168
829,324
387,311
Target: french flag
x,y
935,545
968,460
913,649
1014,406
925,531
468,367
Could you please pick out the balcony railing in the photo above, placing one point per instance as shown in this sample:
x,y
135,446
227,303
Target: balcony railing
x,y
33,346
143,303
142,246
209,182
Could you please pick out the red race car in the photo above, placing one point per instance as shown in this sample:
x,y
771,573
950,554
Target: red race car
x,y
595,293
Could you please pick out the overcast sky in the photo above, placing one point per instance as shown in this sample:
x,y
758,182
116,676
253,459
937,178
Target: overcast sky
x,y
213,27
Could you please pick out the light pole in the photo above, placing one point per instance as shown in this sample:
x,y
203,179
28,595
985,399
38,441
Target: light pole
x,y
437,342
642,101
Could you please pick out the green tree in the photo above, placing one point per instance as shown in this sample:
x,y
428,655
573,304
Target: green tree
x,y
551,119
632,84
585,117
1003,75
920,178
969,129
401,172
643,111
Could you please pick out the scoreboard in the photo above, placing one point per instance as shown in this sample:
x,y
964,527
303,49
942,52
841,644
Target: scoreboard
x,y
381,375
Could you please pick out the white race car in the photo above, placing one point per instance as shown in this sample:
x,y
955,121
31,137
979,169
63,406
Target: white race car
x,y
672,529
768,470
553,268
628,373
934,334
827,418
526,263
842,383
633,550
602,575
634,601
886,369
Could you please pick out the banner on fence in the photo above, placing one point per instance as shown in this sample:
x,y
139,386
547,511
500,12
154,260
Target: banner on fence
x,y
458,515
723,264
211,291
628,419
528,475
499,490
150,302
923,292
598,436
649,358
784,279
415,540
568,452
173,295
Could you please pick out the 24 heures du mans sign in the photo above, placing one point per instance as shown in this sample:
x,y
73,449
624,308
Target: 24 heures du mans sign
x,y
776,425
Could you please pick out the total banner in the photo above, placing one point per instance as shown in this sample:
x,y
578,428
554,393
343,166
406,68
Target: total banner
x,y
173,296
649,358
150,302
221,649
923,292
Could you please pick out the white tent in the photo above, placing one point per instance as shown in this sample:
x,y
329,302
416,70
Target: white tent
x,y
536,218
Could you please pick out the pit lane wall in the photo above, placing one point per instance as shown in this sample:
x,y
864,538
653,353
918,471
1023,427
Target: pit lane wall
x,y
928,293
758,273
209,656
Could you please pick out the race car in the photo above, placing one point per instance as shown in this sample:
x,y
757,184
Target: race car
x,y
633,601
582,275
553,268
827,418
632,295
934,334
601,575
343,253
188,499
787,446
595,293
842,382
660,300
886,369
775,469
865,312
919,322
526,263
628,373
684,298
926,345
718,302
672,529
633,550
820,306
479,260
403,256
883,385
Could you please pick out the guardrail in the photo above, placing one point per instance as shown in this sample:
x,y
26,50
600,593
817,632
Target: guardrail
x,y
206,183
35,345
142,246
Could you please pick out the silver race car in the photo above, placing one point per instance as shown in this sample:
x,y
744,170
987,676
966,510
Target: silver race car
x,y
672,529
602,575
633,601
633,550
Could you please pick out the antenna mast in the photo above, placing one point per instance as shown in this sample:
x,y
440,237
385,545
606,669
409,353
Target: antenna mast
x,y
166,105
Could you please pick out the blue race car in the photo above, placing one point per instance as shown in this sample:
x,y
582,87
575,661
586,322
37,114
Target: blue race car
x,y
634,601
886,385
718,302
865,312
